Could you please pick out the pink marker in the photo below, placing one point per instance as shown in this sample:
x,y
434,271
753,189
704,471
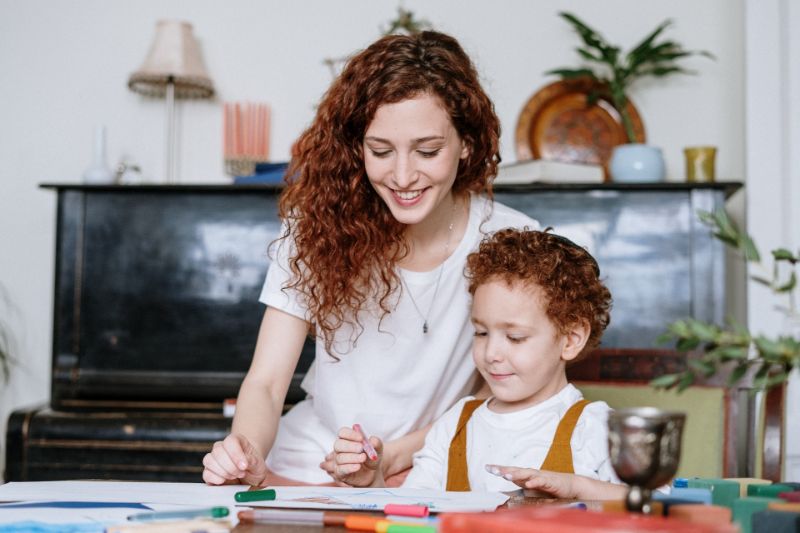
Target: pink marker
x,y
368,449
401,509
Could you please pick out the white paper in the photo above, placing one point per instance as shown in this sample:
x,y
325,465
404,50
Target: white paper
x,y
61,515
196,494
341,498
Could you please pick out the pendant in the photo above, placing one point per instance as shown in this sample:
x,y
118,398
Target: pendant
x,y
425,327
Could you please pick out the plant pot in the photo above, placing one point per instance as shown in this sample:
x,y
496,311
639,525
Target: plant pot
x,y
637,163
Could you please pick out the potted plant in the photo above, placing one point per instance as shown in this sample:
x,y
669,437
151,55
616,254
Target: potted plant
x,y
733,348
609,67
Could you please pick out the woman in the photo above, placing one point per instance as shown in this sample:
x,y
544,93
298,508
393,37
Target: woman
x,y
390,191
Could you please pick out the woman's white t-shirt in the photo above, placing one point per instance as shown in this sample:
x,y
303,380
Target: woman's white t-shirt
x,y
395,379
521,439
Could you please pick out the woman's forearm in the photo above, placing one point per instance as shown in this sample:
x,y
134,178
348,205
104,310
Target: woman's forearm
x,y
260,402
257,415
398,453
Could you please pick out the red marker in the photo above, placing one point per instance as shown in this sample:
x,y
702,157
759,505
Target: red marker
x,y
368,449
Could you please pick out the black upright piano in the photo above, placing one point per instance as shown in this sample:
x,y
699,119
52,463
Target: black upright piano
x,y
156,310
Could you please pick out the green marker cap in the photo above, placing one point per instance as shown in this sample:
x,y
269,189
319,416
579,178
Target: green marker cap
x,y
255,495
219,512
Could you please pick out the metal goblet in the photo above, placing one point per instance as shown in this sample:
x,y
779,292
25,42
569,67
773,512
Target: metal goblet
x,y
645,448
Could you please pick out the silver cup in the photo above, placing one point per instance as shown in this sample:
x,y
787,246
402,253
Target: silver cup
x,y
645,448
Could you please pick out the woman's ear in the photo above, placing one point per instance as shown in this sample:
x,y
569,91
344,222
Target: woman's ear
x,y
464,149
576,338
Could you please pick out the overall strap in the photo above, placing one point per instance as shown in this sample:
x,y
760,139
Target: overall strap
x,y
559,456
457,471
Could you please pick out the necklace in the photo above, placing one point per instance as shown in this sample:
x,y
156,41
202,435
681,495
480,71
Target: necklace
x,y
425,316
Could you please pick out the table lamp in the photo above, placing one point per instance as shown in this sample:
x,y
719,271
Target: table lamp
x,y
173,68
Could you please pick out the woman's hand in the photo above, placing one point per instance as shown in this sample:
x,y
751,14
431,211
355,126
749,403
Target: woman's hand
x,y
234,460
349,465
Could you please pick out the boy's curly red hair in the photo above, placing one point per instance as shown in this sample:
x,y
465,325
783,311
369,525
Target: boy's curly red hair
x,y
347,241
566,273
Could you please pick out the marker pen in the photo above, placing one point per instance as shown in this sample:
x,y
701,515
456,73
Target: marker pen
x,y
368,449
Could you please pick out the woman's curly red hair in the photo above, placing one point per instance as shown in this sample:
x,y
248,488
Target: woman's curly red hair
x,y
566,273
347,241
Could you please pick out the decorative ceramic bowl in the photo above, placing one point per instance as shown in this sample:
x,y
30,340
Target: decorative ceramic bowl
x,y
637,163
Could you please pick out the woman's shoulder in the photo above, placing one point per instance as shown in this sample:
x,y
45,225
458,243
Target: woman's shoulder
x,y
495,215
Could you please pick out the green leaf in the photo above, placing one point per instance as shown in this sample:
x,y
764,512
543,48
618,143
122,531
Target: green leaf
x,y
664,338
763,281
571,73
769,349
738,373
789,285
760,379
640,51
703,331
749,249
782,254
704,367
706,217
725,226
589,56
686,344
686,380
666,381
728,353
660,72
589,36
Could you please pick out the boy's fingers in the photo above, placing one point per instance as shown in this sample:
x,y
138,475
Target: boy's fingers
x,y
500,471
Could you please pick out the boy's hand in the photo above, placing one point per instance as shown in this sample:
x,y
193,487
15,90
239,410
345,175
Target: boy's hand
x,y
538,482
349,465
234,460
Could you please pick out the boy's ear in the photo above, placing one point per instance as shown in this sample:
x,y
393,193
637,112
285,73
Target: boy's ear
x,y
576,338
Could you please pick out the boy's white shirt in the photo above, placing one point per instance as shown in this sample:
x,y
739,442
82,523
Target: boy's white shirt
x,y
521,439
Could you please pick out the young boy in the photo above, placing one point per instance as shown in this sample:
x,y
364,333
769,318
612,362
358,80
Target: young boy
x,y
537,304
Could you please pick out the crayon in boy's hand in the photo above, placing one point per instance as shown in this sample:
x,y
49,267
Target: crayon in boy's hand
x,y
368,449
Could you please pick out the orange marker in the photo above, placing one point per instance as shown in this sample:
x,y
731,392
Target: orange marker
x,y
368,449
363,522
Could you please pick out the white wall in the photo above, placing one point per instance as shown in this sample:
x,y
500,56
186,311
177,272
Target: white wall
x,y
64,67
773,167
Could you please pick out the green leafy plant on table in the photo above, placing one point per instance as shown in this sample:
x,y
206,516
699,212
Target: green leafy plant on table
x,y
734,348
610,67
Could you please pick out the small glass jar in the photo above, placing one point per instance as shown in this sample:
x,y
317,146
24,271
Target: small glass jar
x,y
700,163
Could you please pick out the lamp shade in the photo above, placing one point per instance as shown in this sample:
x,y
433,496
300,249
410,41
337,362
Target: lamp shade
x,y
174,57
